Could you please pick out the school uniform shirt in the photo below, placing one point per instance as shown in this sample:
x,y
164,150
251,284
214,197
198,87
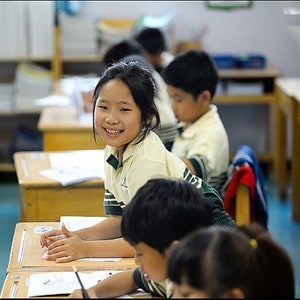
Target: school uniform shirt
x,y
167,130
162,289
146,160
205,144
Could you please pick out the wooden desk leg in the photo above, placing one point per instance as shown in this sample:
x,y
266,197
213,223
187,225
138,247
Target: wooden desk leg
x,y
281,176
295,177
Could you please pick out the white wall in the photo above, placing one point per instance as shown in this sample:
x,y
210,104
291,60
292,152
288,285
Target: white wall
x,y
263,28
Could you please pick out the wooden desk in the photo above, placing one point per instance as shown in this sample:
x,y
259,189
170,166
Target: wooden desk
x,y
62,130
288,107
27,254
26,259
16,286
267,77
43,199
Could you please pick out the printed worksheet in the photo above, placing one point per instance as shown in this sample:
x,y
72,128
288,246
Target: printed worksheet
x,y
63,283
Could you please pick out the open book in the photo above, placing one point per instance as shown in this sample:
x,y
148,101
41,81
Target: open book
x,y
71,167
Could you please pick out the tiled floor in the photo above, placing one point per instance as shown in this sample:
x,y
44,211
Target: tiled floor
x,y
284,230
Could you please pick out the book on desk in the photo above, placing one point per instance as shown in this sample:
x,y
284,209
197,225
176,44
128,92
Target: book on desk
x,y
29,274
72,167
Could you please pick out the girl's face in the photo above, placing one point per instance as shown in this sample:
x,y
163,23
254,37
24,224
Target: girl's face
x,y
152,263
117,117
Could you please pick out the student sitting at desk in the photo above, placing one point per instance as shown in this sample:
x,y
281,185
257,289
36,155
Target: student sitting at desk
x,y
201,141
154,44
218,262
162,212
125,115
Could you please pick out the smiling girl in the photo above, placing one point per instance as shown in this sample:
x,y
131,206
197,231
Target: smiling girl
x,y
125,115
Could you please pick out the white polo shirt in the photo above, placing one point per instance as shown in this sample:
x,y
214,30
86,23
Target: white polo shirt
x,y
146,160
205,143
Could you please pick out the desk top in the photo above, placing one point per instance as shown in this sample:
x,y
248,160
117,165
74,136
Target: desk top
x,y
29,164
64,117
16,285
249,73
27,254
290,86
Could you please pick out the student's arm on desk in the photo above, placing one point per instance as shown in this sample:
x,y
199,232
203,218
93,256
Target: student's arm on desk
x,y
118,284
107,229
100,240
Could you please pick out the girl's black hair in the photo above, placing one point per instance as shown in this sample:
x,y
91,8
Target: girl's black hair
x,y
140,82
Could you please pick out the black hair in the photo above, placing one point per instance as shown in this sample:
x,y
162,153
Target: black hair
x,y
140,82
152,40
216,260
193,71
164,210
118,51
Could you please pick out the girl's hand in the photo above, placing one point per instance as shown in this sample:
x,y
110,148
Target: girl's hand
x,y
48,237
66,248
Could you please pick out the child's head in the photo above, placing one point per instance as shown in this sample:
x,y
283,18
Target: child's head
x,y
124,106
153,42
191,80
192,71
124,48
221,262
162,211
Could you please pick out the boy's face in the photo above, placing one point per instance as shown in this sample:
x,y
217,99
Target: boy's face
x,y
185,107
152,263
117,116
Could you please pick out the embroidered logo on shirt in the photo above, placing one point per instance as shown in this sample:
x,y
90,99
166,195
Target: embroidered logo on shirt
x,y
124,183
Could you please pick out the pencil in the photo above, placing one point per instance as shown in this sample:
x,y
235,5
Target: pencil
x,y
84,291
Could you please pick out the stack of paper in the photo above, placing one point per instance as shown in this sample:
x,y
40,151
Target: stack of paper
x,y
78,35
40,38
113,31
13,32
31,82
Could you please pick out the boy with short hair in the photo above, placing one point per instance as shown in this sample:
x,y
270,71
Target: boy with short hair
x,y
154,44
162,212
202,142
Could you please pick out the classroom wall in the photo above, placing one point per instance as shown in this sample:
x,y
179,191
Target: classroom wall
x,y
262,28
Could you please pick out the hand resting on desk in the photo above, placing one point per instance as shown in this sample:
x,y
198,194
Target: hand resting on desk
x,y
46,241
100,240
64,246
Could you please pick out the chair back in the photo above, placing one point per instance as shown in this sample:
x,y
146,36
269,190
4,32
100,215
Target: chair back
x,y
244,191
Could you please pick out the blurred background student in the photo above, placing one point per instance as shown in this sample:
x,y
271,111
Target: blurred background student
x,y
154,44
